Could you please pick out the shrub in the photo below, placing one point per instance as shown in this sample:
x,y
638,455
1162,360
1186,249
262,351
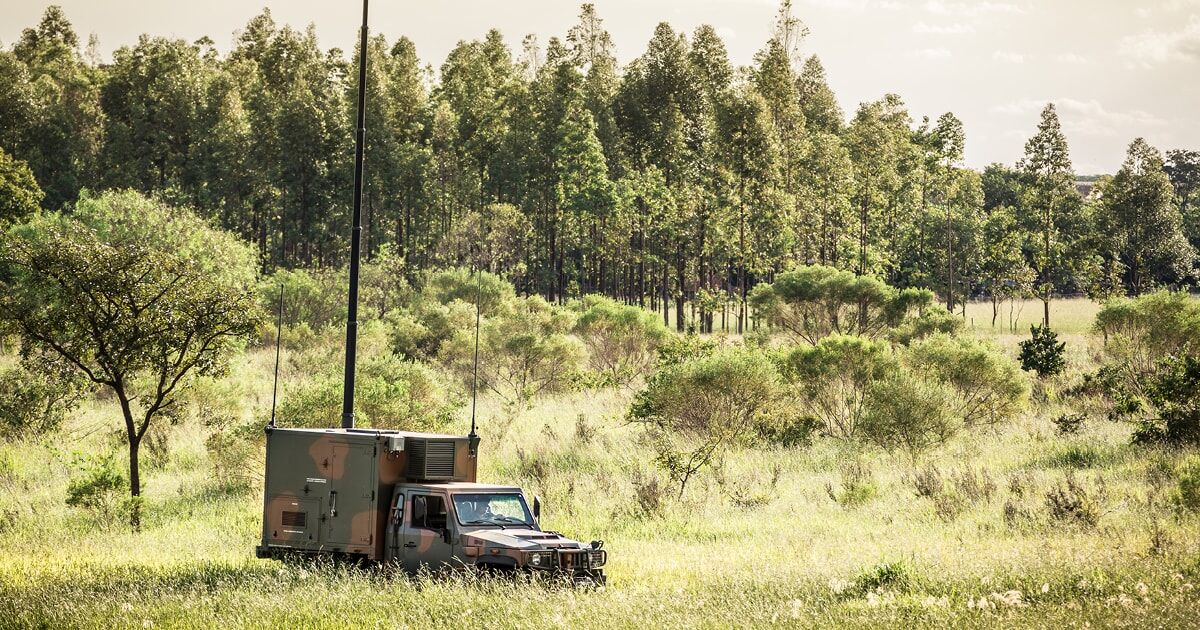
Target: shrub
x,y
621,340
857,486
698,408
1187,494
420,332
97,487
492,292
928,481
524,351
1174,392
989,386
1139,332
35,402
678,349
1071,502
888,575
1043,352
907,412
813,302
315,298
832,379
1069,423
934,319
389,393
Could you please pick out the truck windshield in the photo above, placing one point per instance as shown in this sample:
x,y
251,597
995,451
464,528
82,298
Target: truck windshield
x,y
501,510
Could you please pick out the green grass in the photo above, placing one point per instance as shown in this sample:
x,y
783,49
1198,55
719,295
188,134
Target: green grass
x,y
802,558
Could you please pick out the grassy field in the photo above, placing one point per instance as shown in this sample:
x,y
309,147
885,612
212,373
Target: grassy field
x,y
818,536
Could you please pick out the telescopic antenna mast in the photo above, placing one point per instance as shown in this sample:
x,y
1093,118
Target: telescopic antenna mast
x,y
278,332
356,233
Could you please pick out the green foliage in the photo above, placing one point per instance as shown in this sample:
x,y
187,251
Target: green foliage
x,y
314,299
1141,331
892,576
447,286
932,320
97,486
1042,352
813,302
524,348
390,393
33,403
700,407
1187,492
1071,501
622,340
831,380
1174,392
907,412
131,294
19,192
989,387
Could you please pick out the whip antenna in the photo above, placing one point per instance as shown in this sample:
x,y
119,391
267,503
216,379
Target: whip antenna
x,y
278,332
473,437
356,233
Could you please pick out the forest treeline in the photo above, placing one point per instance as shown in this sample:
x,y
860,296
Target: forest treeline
x,y
677,181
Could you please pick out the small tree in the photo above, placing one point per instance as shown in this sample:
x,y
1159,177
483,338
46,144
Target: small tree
x,y
621,339
701,406
134,295
1043,352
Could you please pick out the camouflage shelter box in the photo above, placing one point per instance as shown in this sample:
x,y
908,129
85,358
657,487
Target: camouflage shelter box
x,y
327,490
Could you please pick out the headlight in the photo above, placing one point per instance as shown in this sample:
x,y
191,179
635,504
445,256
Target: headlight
x,y
540,559
597,558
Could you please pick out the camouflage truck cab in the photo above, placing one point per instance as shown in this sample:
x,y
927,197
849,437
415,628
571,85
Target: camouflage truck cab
x,y
408,499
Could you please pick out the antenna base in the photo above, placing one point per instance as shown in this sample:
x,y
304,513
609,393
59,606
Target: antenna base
x,y
347,421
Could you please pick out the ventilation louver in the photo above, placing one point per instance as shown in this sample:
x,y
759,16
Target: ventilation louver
x,y
431,460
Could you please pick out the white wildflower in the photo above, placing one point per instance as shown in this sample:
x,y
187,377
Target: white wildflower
x,y
1045,587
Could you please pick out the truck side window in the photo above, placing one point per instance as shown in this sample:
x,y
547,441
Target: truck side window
x,y
429,512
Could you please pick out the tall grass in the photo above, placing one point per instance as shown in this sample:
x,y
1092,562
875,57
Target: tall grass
x,y
793,555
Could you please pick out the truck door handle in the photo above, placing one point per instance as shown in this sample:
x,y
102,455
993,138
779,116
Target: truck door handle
x,y
410,545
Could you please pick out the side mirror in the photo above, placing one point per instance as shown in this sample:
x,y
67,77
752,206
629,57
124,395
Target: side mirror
x,y
537,508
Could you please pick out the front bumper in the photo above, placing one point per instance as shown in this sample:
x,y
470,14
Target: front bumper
x,y
580,564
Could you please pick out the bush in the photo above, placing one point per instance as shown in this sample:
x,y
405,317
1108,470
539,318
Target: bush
x,y
315,298
831,380
1069,423
1187,494
460,284
1139,332
857,485
1174,391
34,403
389,394
700,407
97,487
934,319
1071,502
622,340
813,302
1042,352
989,386
907,412
524,351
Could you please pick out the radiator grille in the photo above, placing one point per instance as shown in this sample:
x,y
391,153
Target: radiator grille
x,y
295,519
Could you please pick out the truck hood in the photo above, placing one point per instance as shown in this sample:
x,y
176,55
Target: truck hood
x,y
525,539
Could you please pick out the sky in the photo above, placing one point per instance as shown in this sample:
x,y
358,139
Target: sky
x,y
1117,69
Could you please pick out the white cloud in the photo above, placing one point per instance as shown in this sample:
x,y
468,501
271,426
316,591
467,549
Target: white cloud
x,y
1087,117
1071,58
930,54
1152,47
943,29
726,33
1008,56
946,7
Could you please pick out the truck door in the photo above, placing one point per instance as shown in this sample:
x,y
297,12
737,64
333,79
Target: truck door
x,y
425,532
351,502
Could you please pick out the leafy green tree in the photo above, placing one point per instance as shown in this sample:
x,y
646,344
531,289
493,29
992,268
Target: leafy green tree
x,y
134,295
989,387
1183,167
1004,272
817,101
19,192
1145,223
1043,352
1050,194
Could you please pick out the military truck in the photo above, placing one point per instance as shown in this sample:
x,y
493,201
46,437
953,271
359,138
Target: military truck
x,y
409,500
